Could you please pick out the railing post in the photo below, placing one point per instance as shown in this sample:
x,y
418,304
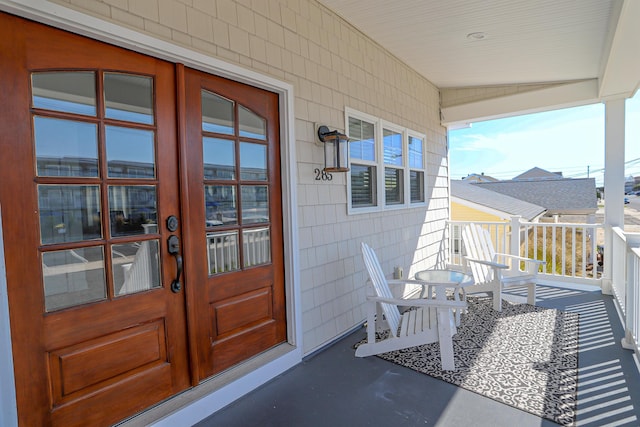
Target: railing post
x,y
514,243
632,293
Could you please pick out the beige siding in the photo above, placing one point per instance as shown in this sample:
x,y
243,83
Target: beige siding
x,y
331,65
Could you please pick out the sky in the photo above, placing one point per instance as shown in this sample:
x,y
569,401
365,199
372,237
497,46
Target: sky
x,y
570,141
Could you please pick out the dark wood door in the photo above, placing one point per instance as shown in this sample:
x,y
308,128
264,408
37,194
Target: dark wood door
x,y
236,279
88,178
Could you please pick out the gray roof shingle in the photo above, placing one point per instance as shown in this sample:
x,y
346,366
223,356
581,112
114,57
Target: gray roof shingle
x,y
510,205
558,196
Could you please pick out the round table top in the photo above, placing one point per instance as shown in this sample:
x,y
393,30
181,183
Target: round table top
x,y
445,277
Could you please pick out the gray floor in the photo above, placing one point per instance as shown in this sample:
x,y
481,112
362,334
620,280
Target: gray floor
x,y
333,388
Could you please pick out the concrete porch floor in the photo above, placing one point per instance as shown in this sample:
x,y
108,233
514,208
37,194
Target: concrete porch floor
x,y
334,388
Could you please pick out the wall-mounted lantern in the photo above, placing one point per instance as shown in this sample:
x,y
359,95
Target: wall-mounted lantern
x,y
336,149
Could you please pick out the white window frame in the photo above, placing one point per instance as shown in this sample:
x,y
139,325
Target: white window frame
x,y
380,165
423,169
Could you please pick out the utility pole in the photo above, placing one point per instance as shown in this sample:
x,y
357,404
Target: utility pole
x,y
588,171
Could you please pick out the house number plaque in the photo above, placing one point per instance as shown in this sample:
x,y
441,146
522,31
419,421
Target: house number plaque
x,y
322,175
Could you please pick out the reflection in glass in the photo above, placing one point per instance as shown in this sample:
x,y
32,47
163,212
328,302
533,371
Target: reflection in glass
x,y
255,204
219,158
132,209
222,252
416,182
68,91
392,146
363,185
415,153
256,247
251,125
217,114
69,213
128,97
130,152
393,185
73,277
361,140
220,205
253,162
65,147
136,267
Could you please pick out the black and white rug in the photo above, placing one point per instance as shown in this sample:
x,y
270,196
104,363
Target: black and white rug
x,y
526,357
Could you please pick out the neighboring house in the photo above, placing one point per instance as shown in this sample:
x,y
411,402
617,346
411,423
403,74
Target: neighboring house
x,y
537,174
471,202
564,196
481,177
168,239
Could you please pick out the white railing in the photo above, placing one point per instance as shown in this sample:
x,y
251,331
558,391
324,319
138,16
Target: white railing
x,y
570,250
625,283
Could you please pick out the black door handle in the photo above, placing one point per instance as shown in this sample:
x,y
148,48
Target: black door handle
x,y
173,245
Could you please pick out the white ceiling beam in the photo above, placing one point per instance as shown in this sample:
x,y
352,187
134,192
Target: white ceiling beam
x,y
621,73
552,98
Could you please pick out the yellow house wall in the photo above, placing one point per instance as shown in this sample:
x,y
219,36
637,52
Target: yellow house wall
x,y
461,212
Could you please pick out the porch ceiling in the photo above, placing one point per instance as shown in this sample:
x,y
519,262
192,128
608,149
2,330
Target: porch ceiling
x,y
525,42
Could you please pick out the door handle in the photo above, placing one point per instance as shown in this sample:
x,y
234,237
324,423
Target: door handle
x,y
173,246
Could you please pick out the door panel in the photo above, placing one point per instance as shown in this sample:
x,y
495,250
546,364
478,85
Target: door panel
x,y
88,174
234,192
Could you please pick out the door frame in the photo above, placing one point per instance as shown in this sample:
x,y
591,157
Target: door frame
x,y
211,395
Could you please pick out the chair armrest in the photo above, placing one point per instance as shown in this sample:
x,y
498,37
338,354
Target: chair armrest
x,y
422,283
420,302
489,263
519,258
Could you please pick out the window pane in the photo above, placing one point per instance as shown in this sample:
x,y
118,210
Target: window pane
x,y
222,251
256,247
73,277
70,91
69,213
253,162
136,267
251,125
65,147
417,186
217,114
128,97
363,185
393,186
220,205
362,143
130,152
255,204
415,153
392,143
132,209
219,158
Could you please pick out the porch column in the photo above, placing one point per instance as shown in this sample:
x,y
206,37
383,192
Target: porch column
x,y
613,181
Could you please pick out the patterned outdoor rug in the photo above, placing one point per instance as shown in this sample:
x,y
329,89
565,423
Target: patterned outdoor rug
x,y
525,357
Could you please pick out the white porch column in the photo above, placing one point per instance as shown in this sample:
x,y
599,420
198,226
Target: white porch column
x,y
613,181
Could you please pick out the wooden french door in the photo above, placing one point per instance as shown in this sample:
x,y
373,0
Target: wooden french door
x,y
235,210
115,177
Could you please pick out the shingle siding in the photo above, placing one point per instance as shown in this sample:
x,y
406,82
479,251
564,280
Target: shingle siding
x,y
331,65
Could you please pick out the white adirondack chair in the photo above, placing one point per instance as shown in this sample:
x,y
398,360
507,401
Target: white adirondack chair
x,y
489,274
429,321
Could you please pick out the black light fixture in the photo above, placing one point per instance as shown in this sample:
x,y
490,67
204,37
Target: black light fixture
x,y
336,146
